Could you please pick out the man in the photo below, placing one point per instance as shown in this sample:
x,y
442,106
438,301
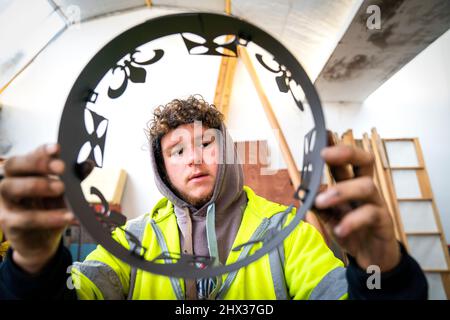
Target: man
x,y
206,211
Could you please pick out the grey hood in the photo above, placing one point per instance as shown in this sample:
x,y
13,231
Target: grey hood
x,y
229,198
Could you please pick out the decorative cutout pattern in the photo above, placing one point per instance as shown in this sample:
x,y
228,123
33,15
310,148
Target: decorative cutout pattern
x,y
95,136
111,217
284,81
132,72
92,98
210,44
308,167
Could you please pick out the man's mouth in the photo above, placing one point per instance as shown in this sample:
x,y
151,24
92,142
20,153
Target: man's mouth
x,y
197,177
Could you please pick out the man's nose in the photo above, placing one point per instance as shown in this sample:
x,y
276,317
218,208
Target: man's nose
x,y
195,155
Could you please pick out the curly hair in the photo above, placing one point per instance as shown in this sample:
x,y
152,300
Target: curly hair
x,y
178,112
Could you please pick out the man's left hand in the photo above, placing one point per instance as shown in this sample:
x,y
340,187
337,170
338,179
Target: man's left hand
x,y
354,212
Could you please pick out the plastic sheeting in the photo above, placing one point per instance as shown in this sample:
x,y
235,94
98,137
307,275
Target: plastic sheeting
x,y
25,28
308,28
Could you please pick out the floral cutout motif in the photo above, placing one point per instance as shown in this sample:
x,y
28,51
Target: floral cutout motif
x,y
132,72
95,136
307,169
112,219
284,81
210,44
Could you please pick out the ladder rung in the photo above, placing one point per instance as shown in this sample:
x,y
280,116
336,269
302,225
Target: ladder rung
x,y
436,270
398,139
407,168
415,199
424,233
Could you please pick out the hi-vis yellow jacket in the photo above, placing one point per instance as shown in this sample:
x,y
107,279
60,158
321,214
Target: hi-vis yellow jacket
x,y
4,245
303,268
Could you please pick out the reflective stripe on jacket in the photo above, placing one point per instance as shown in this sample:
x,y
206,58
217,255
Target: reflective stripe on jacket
x,y
303,268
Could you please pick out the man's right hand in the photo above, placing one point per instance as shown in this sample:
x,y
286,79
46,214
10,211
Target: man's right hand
x,y
33,213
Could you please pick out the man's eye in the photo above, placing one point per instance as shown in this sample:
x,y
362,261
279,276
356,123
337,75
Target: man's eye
x,y
177,152
206,143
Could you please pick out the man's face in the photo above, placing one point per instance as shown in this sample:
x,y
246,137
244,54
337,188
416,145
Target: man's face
x,y
190,154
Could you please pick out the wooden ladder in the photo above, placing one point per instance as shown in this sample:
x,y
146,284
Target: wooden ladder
x,y
405,184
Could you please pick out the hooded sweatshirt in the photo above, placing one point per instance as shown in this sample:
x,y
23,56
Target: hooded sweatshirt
x,y
228,197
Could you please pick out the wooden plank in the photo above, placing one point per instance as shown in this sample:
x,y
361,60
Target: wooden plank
x,y
429,192
446,281
286,152
348,139
366,143
367,146
419,153
424,183
228,86
406,168
427,195
443,271
417,233
228,6
110,181
220,84
398,139
225,78
415,199
334,140
386,184
224,84
442,236
359,143
275,186
380,148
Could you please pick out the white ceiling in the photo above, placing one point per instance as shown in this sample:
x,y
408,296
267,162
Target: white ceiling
x,y
310,29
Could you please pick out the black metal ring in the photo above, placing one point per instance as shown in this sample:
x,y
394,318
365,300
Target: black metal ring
x,y
209,26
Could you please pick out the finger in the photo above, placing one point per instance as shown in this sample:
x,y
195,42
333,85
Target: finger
x,y
361,218
358,189
37,219
339,173
329,217
339,157
39,162
16,189
331,139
